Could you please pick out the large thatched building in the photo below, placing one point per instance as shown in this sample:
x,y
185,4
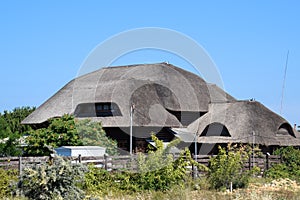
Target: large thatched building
x,y
170,102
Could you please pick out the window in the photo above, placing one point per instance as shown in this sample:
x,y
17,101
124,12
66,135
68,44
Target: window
x,y
84,110
285,129
100,109
215,129
106,107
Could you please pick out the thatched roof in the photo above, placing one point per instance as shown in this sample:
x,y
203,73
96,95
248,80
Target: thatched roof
x,y
155,89
245,122
159,92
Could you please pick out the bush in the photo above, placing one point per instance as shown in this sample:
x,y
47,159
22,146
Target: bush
x,y
56,180
7,177
11,146
159,171
290,166
227,167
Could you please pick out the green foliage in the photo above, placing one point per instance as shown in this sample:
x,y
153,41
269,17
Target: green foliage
x,y
92,134
290,166
7,177
98,181
159,171
4,127
66,131
60,132
11,130
56,180
11,120
10,146
227,167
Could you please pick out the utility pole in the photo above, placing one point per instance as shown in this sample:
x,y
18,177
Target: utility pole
x,y
283,84
131,116
196,156
253,146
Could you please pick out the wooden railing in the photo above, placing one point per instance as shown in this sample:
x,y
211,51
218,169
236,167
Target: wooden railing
x,y
123,163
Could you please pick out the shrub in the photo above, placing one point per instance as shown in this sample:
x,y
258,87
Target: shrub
x,y
98,181
7,177
56,180
227,167
290,166
158,171
11,146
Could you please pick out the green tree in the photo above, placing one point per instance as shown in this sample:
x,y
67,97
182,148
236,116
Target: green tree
x,y
11,130
4,128
60,132
67,131
14,118
92,134
227,167
10,146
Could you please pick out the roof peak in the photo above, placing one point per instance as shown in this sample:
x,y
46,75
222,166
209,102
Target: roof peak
x,y
136,65
166,64
125,67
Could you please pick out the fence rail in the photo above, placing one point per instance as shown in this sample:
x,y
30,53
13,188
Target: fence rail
x,y
122,163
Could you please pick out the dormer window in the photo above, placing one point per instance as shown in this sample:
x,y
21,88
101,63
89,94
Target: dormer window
x,y
285,129
215,129
101,109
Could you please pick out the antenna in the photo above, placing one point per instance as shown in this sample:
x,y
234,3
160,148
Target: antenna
x,y
283,84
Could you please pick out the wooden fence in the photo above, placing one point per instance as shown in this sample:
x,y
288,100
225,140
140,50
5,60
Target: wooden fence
x,y
264,162
123,163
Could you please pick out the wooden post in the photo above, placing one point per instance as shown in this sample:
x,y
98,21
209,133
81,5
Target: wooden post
x,y
20,173
50,159
249,162
267,161
20,166
79,158
105,162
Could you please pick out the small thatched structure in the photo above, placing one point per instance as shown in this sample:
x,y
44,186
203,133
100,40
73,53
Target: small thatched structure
x,y
244,122
169,101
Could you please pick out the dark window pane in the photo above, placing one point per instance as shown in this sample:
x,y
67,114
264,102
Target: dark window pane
x,y
105,107
99,107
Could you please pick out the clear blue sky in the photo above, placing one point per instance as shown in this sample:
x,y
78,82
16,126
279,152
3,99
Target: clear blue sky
x,y
43,44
